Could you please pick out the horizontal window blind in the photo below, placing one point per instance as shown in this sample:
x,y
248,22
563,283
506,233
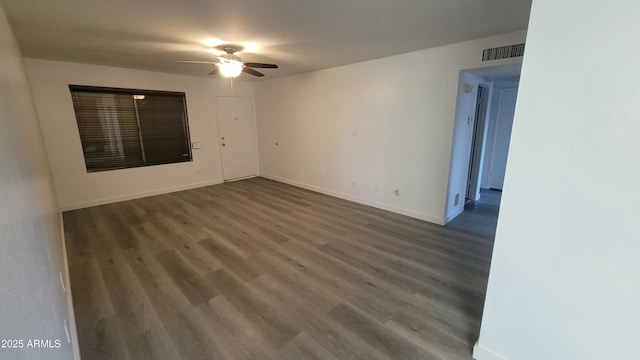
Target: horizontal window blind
x,y
124,128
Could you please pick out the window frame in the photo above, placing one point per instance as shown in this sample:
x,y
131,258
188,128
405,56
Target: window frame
x,y
127,91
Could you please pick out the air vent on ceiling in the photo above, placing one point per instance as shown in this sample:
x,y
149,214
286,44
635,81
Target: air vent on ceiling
x,y
503,52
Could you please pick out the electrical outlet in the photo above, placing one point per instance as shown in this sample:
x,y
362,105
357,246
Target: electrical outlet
x,y
396,192
456,201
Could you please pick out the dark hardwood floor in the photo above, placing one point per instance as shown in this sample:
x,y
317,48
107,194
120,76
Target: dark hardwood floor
x,y
479,217
256,269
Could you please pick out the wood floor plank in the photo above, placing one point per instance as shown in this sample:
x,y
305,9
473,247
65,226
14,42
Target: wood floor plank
x,y
317,294
255,224
223,229
241,338
90,295
276,329
303,347
464,328
134,313
172,308
153,344
195,288
198,257
439,342
231,259
108,342
257,269
376,335
368,293
327,332
148,237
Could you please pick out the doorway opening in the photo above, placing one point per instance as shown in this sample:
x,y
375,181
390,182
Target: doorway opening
x,y
481,135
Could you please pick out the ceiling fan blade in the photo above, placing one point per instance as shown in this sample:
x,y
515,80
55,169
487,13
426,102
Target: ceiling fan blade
x,y
261,65
214,71
252,72
196,62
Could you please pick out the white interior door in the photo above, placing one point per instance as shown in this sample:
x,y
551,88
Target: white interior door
x,y
502,137
237,137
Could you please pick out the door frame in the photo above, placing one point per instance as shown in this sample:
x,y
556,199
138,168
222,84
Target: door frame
x,y
478,140
252,99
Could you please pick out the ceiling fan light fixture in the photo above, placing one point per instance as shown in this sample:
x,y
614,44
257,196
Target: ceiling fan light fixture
x,y
230,68
230,65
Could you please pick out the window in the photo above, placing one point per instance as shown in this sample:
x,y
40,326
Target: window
x,y
124,128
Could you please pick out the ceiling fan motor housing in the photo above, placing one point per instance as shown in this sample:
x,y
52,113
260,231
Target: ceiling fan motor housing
x,y
230,64
230,57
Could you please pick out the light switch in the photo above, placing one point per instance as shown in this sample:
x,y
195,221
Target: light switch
x,y
195,145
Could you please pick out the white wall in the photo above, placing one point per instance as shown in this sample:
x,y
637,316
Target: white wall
x,y
382,124
565,276
75,187
32,302
491,129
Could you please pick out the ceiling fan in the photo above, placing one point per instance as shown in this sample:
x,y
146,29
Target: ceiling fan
x,y
230,64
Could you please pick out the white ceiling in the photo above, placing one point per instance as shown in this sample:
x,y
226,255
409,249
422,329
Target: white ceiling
x,y
298,35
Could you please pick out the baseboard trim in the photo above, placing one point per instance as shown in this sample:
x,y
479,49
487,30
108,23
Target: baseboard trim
x,y
71,325
241,178
359,200
454,214
109,200
482,353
